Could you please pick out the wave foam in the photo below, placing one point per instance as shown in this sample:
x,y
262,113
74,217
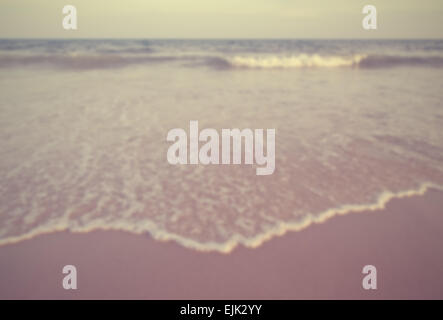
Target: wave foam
x,y
229,245
299,61
317,61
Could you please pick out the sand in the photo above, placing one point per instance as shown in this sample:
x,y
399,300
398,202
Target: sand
x,y
323,261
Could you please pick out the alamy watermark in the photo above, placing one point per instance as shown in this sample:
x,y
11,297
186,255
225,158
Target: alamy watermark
x,y
369,281
370,20
69,22
209,153
70,280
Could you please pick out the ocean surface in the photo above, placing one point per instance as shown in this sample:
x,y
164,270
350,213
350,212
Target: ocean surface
x,y
83,126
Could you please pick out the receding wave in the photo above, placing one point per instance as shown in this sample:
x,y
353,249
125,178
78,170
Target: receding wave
x,y
230,244
102,61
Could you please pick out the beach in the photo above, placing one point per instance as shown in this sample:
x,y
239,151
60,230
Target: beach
x,y
87,178
323,261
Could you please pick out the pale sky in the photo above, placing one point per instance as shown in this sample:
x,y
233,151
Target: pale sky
x,y
221,19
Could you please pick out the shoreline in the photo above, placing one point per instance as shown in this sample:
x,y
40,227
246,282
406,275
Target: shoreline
x,y
323,261
239,241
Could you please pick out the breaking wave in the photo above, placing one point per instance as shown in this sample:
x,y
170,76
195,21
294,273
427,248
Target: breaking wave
x,y
299,61
102,61
317,61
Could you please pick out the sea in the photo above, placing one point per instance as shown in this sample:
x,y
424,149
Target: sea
x,y
83,127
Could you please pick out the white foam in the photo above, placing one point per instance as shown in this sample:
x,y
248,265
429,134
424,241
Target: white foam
x,y
297,61
230,244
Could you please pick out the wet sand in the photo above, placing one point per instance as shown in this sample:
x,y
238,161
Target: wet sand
x,y
323,261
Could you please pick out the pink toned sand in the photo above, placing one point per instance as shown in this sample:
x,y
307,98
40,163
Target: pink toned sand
x,y
324,261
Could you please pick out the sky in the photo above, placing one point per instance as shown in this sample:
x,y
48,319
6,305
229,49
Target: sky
x,y
221,19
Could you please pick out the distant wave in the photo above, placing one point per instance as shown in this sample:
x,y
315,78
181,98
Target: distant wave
x,y
317,61
298,61
101,61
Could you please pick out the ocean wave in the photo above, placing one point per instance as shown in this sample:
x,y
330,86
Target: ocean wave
x,y
299,61
317,61
103,61
234,241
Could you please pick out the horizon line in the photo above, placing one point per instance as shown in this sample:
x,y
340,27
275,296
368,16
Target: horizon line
x,y
205,38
